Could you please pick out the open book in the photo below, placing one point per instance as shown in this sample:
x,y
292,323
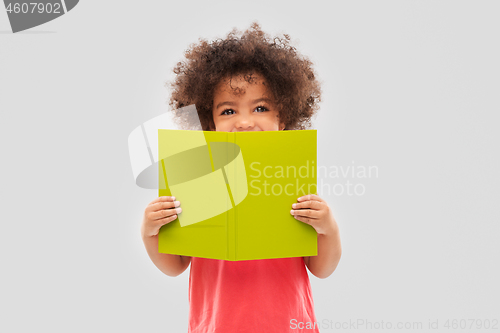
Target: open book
x,y
236,191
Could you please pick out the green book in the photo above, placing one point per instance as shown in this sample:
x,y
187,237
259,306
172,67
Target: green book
x,y
236,191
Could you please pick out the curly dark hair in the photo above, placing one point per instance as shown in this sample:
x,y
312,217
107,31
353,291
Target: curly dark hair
x,y
289,76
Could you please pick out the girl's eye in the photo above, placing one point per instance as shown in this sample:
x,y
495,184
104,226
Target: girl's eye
x,y
227,112
261,109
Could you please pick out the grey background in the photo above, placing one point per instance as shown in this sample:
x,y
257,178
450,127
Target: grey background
x,y
410,87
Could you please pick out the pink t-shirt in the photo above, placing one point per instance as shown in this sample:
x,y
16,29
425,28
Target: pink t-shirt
x,y
249,296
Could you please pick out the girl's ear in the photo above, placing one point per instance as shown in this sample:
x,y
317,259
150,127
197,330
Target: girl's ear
x,y
282,126
211,126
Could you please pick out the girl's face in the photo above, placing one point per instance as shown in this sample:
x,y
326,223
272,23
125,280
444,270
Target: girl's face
x,y
242,106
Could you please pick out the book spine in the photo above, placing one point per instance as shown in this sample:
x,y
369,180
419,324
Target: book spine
x,y
231,216
235,207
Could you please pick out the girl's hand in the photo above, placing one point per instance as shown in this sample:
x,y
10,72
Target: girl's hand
x,y
313,210
159,212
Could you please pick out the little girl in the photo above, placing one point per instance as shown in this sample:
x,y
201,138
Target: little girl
x,y
248,82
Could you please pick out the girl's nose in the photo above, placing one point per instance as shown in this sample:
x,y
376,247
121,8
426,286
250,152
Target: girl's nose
x,y
244,123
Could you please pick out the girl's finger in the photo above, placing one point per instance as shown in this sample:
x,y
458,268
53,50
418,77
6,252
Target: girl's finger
x,y
164,205
318,205
304,219
168,219
313,214
164,213
163,199
310,197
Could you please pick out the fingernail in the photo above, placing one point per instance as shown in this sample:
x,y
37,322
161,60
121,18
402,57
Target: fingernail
x,y
291,212
177,203
293,205
178,210
173,198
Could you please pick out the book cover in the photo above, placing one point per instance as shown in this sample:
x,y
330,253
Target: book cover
x,y
236,191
